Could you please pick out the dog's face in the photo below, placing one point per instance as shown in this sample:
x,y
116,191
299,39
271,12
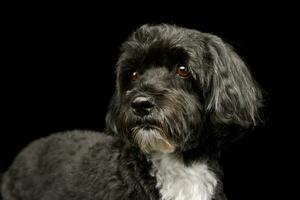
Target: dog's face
x,y
172,82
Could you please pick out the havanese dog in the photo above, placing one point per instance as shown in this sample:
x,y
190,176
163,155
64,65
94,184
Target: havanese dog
x,y
181,96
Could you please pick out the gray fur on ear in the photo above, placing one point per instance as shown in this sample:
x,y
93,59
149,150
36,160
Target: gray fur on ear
x,y
234,96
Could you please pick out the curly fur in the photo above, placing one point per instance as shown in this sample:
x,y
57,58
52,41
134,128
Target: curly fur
x,y
143,156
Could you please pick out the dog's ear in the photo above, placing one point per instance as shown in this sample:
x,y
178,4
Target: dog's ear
x,y
233,97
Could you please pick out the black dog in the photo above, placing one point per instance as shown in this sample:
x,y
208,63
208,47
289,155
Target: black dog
x,y
181,96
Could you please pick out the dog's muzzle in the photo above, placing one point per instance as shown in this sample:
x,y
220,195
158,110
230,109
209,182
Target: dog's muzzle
x,y
146,131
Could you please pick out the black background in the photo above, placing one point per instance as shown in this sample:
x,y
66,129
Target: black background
x,y
57,73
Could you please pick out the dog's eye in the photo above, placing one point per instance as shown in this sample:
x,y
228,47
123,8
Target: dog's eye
x,y
183,71
135,76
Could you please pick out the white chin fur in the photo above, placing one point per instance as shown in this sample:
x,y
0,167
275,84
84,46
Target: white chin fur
x,y
151,140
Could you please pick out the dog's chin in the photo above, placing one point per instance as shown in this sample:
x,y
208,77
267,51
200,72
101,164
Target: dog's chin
x,y
151,139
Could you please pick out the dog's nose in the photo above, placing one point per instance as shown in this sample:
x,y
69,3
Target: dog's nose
x,y
142,106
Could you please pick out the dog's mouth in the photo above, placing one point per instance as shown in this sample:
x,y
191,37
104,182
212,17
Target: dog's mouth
x,y
151,138
148,126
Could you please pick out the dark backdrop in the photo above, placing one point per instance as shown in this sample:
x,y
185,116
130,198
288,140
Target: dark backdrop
x,y
57,74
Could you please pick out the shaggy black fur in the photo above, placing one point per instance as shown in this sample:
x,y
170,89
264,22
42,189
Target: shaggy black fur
x,y
156,107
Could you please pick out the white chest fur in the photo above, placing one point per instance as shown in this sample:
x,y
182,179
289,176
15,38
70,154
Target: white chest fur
x,y
176,181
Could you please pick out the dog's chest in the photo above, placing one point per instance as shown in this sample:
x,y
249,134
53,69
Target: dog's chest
x,y
175,181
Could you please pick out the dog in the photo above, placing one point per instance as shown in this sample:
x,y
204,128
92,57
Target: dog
x,y
181,97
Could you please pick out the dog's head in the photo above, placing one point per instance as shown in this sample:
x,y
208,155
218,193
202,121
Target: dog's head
x,y
176,86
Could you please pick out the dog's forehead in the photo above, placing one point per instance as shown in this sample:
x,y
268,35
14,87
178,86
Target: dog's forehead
x,y
166,33
162,45
167,37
